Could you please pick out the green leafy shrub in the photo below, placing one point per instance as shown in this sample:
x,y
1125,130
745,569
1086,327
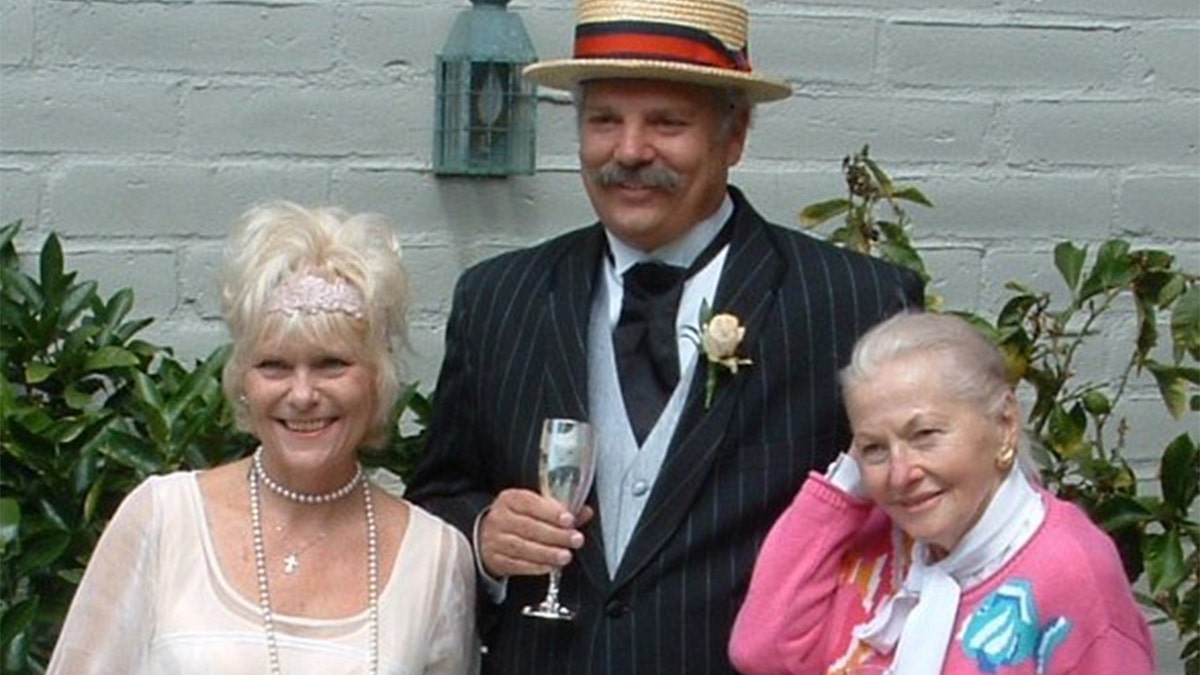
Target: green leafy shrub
x,y
89,411
1076,423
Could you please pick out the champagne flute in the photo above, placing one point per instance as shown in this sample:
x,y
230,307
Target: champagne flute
x,y
566,465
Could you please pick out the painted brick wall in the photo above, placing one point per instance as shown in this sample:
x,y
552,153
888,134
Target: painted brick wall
x,y
138,130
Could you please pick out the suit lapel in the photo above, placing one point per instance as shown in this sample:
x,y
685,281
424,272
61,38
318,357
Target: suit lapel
x,y
569,311
566,326
753,270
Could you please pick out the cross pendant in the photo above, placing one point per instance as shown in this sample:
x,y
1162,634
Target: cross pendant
x,y
290,564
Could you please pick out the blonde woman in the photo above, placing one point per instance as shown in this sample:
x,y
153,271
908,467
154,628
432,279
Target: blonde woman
x,y
292,560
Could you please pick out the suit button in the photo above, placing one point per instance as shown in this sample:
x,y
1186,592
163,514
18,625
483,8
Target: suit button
x,y
640,488
616,609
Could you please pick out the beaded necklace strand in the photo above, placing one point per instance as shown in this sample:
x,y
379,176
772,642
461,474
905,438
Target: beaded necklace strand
x,y
303,497
260,557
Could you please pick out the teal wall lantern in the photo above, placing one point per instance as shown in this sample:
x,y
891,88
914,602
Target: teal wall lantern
x,y
486,112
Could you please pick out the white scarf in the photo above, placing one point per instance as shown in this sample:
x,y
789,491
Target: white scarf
x,y
920,617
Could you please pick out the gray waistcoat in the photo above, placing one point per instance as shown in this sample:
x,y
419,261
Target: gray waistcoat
x,y
625,474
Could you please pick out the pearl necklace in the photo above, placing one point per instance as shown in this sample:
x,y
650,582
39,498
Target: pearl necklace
x,y
260,568
303,497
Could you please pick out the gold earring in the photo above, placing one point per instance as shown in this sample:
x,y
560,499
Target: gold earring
x,y
1006,458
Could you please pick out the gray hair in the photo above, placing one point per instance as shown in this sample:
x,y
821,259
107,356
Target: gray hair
x,y
979,373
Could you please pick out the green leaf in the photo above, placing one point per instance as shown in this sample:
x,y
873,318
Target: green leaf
x,y
16,620
76,399
37,372
8,233
1016,309
42,549
80,340
1179,473
1066,430
108,357
420,405
1185,324
881,177
1154,260
133,451
1096,403
114,312
195,384
1069,260
86,470
1189,610
10,520
912,194
53,281
92,500
77,299
148,391
1113,269
815,214
20,284
1165,564
126,331
905,256
1157,287
1175,286
1120,512
1147,333
1173,385
66,429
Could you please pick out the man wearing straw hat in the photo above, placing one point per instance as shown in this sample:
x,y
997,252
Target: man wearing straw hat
x,y
700,341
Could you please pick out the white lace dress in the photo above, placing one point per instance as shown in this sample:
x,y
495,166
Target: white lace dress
x,y
155,600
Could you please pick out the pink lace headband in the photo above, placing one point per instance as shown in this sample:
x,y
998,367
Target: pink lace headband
x,y
307,293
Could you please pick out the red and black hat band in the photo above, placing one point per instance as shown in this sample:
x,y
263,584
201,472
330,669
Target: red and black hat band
x,y
656,42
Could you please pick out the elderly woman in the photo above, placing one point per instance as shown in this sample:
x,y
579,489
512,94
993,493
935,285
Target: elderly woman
x,y
292,560
930,550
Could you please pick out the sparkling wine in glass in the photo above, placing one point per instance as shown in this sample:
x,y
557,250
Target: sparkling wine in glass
x,y
566,465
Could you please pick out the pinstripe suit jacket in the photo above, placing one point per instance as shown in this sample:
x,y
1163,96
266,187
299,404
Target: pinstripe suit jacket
x,y
516,353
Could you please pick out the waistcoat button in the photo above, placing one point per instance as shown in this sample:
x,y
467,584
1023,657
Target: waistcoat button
x,y
616,609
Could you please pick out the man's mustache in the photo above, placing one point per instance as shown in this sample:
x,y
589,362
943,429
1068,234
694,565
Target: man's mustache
x,y
614,175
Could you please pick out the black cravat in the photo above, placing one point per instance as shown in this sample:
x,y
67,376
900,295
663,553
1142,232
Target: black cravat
x,y
645,343
646,347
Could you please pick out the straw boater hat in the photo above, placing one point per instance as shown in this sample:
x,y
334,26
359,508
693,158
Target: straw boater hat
x,y
696,41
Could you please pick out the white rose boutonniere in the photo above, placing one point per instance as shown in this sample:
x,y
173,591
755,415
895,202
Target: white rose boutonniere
x,y
718,337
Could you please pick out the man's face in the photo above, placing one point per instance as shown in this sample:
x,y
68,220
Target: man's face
x,y
655,161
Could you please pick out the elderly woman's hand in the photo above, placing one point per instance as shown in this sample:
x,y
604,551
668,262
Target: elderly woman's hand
x,y
844,474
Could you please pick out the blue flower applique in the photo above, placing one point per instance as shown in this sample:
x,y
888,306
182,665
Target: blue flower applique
x,y
1005,630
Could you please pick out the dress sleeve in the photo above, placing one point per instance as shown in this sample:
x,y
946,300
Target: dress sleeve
x,y
110,623
783,626
455,646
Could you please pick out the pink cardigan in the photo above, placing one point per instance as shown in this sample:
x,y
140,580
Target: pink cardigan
x,y
1060,606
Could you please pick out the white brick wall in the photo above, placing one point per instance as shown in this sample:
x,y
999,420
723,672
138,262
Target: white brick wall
x,y
138,130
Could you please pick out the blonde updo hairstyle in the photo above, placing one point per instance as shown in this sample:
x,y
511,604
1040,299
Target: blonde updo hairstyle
x,y
273,243
973,370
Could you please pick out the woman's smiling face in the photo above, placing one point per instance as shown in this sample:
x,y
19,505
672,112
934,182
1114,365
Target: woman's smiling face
x,y
309,403
927,457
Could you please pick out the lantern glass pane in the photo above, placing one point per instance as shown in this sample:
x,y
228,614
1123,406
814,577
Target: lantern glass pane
x,y
484,119
484,124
